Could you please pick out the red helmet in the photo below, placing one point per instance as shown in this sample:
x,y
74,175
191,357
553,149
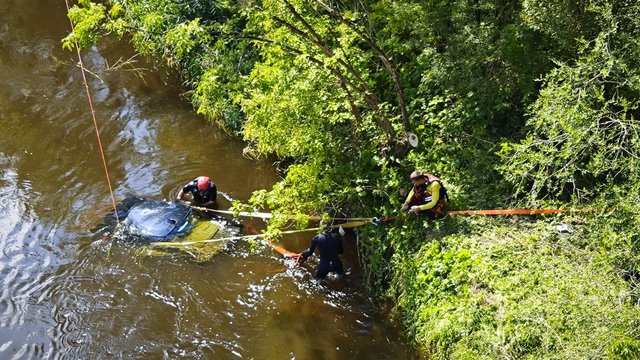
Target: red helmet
x,y
203,182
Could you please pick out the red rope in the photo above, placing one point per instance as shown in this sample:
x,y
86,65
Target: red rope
x,y
93,115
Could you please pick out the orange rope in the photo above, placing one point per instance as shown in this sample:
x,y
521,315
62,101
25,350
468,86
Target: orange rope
x,y
510,212
93,114
284,252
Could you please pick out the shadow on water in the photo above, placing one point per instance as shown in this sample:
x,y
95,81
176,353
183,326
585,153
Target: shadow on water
x,y
67,294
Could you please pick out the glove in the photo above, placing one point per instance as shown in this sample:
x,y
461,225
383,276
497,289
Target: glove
x,y
300,259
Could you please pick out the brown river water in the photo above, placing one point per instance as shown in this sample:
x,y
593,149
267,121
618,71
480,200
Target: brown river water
x,y
65,295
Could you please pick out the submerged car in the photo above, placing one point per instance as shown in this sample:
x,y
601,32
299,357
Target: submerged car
x,y
155,220
145,221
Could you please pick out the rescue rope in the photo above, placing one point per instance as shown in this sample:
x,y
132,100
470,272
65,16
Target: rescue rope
x,y
273,245
266,215
93,115
366,220
514,211
242,237
351,223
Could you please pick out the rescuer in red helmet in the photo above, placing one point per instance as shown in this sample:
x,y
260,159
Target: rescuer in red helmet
x,y
202,189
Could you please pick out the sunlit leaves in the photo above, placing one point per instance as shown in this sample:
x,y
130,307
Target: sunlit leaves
x,y
287,116
87,19
184,37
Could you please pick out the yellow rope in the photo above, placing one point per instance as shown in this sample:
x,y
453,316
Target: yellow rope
x,y
187,243
266,215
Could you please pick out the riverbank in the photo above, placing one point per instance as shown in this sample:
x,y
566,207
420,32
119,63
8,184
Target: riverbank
x,y
509,288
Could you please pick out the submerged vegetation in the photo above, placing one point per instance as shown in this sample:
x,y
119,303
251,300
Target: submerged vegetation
x,y
515,103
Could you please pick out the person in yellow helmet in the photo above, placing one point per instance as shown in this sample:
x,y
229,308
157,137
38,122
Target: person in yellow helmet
x,y
428,196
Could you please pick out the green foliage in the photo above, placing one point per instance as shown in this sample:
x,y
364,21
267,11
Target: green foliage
x,y
615,231
513,292
184,38
563,21
87,19
200,39
290,118
584,129
301,185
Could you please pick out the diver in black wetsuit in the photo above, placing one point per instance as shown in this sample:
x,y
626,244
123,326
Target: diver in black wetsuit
x,y
202,189
330,247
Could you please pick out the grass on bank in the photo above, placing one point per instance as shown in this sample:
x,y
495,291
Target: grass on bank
x,y
509,288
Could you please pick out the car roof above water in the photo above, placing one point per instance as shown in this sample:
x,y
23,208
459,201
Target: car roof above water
x,y
156,218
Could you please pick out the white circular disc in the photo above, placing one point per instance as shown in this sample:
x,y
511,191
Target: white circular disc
x,y
413,139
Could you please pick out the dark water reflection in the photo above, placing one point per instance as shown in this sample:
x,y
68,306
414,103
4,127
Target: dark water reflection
x,y
65,294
